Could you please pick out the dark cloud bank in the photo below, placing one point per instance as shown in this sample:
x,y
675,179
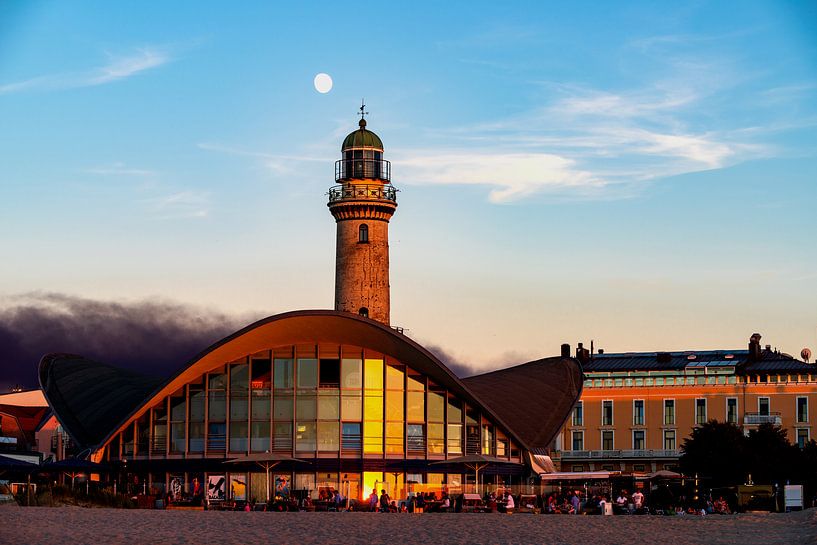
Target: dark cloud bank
x,y
152,336
155,337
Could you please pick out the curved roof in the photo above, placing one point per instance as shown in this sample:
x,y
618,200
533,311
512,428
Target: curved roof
x,y
90,398
78,398
536,396
362,138
94,401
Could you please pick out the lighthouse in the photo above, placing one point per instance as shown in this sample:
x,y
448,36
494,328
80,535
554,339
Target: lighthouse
x,y
362,203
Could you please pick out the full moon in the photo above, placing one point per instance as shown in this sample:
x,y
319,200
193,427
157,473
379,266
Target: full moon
x,y
323,83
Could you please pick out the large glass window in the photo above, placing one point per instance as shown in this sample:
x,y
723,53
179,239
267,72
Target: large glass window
x,y
305,436
487,440
669,439
607,440
802,409
307,373
607,413
239,407
282,436
159,444
732,410
578,415
638,412
373,407
669,412
195,442
578,440
306,407
763,406
639,441
329,376
415,439
454,440
350,373
802,437
178,410
394,409
351,438
328,405
700,411
351,407
328,436
283,379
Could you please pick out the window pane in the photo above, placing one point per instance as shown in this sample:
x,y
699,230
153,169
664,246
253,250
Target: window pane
x,y
305,436
329,373
394,405
455,439
351,437
328,436
238,436
282,407
415,438
196,403
351,407
239,377
259,436
374,374
415,382
372,437
196,443
454,410
394,437
328,407
374,408
307,373
306,407
283,373
282,436
178,407
218,406
436,406
350,374
416,406
261,404
394,378
436,438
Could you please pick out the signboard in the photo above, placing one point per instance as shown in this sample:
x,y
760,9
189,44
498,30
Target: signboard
x,y
794,496
216,487
238,487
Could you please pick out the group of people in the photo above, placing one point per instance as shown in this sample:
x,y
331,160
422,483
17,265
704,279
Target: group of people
x,y
414,503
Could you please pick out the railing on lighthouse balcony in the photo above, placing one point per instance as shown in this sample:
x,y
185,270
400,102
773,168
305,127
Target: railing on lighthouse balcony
x,y
355,192
376,169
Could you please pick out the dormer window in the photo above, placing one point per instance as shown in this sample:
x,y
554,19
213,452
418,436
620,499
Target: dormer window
x,y
363,234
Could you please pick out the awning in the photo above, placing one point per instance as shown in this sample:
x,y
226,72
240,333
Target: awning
x,y
541,463
578,475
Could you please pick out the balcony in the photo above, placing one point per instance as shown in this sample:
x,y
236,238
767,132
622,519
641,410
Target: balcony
x,y
617,454
349,169
355,192
754,419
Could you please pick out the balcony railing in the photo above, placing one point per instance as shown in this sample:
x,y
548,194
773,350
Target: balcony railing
x,y
354,192
607,454
347,169
750,419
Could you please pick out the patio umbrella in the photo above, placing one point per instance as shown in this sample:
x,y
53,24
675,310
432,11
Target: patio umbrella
x,y
74,467
266,460
476,462
664,474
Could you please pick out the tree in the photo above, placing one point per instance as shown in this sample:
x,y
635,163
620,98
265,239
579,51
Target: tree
x,y
715,451
771,458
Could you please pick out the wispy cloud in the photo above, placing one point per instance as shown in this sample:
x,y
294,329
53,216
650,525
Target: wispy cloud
x,y
117,68
181,205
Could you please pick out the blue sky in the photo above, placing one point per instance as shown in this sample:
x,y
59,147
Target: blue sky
x,y
642,174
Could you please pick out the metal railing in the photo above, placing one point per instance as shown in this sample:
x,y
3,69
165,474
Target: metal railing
x,y
757,418
629,453
347,169
353,192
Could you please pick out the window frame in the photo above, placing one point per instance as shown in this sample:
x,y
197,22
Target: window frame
x,y
612,412
698,421
643,413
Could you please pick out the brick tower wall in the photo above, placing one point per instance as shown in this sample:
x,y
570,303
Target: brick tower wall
x,y
362,268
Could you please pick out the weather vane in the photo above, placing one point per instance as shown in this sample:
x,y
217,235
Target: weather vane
x,y
363,112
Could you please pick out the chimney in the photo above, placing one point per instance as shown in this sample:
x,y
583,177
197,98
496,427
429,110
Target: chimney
x,y
601,351
565,350
754,347
582,354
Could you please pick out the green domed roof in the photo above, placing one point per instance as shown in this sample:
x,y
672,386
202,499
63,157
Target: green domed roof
x,y
362,138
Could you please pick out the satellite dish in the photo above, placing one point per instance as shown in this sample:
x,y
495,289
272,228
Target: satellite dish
x,y
805,354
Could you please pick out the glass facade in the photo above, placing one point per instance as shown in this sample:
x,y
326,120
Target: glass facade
x,y
313,402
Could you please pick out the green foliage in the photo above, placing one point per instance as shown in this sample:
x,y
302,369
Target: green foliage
x,y
715,451
719,453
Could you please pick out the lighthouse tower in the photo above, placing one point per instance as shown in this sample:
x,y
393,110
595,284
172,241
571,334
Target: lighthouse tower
x,y
362,204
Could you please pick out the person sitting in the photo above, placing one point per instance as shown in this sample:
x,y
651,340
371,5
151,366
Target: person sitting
x,y
509,503
384,502
445,505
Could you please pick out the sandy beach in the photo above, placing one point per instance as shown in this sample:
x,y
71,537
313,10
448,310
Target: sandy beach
x,y
75,525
